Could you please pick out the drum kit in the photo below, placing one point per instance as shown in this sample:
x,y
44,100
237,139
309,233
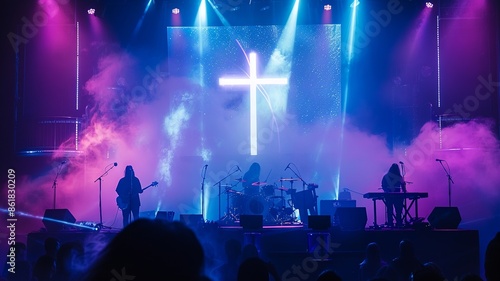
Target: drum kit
x,y
271,201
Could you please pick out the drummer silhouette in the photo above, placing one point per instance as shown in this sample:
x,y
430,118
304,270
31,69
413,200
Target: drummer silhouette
x,y
251,180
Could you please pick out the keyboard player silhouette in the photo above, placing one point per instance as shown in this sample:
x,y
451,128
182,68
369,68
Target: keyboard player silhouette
x,y
393,182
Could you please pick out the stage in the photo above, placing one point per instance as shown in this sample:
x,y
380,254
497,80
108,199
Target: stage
x,y
300,252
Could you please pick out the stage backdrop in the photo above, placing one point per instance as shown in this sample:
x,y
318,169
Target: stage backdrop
x,y
297,106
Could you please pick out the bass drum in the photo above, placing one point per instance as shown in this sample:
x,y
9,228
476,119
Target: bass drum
x,y
238,203
257,205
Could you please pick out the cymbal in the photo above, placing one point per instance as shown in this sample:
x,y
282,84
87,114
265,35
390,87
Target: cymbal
x,y
233,191
259,183
282,188
288,179
240,180
226,185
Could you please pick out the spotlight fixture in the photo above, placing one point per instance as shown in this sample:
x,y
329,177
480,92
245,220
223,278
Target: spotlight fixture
x,y
355,3
176,11
429,4
327,7
91,11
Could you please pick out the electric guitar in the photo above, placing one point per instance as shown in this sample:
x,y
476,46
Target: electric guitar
x,y
124,205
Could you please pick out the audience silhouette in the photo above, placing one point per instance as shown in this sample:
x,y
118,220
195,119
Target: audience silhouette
x,y
428,272
471,277
45,266
158,249
253,269
44,269
328,275
69,261
22,266
372,263
151,250
406,263
229,269
492,259
249,251
403,266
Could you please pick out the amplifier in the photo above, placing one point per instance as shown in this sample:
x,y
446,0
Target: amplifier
x,y
328,207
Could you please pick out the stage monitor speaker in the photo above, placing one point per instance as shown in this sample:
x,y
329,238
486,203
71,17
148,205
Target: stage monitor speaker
x,y
58,219
319,222
251,221
192,219
445,218
328,207
164,215
351,218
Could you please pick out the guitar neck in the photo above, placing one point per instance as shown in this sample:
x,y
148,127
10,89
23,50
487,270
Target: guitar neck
x,y
153,184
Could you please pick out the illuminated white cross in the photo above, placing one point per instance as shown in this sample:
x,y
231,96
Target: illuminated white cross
x,y
253,81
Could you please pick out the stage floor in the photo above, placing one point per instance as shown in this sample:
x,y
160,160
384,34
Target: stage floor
x,y
294,247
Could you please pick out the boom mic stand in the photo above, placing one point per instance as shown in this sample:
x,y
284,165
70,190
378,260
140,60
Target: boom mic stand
x,y
100,225
304,184
54,184
450,180
219,184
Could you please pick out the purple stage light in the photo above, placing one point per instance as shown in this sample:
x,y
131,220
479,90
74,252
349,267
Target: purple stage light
x,y
91,11
327,7
429,4
176,11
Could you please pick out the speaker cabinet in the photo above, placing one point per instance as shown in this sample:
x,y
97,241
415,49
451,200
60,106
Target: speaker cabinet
x,y
351,218
193,220
164,215
445,218
58,219
328,207
251,221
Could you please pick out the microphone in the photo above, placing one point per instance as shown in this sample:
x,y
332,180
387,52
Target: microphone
x,y
440,160
287,166
401,162
115,164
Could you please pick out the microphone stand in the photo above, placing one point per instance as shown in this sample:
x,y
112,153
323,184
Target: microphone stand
x,y
403,189
54,184
203,193
219,184
450,180
304,184
100,194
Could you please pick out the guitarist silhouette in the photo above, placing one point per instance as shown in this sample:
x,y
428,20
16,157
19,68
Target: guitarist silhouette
x,y
128,190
